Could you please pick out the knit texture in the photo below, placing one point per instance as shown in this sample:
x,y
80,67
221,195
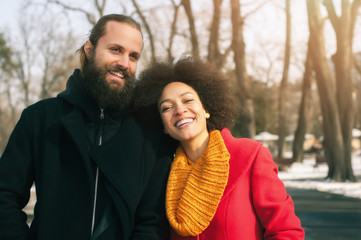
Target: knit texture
x,y
195,189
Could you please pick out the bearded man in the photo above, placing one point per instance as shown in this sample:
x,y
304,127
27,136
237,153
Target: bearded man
x,y
98,172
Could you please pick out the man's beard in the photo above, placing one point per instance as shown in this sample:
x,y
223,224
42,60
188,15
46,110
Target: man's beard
x,y
99,89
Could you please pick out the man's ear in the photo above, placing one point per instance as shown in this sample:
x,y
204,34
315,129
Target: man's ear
x,y
88,47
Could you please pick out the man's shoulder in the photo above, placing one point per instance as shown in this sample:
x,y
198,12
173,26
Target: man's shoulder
x,y
45,103
44,107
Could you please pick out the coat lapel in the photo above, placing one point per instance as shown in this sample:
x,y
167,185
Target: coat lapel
x,y
243,153
121,160
75,127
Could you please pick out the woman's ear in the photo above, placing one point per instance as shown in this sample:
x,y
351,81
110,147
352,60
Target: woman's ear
x,y
88,48
207,115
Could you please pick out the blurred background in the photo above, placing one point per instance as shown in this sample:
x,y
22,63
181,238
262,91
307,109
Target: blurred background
x,y
295,65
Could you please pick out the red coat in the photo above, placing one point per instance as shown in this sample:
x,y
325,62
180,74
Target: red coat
x,y
255,204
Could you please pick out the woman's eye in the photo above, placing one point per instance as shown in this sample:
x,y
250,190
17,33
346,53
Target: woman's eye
x,y
188,100
165,109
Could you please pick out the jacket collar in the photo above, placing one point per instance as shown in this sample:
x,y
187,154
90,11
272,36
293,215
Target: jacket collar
x,y
75,94
243,151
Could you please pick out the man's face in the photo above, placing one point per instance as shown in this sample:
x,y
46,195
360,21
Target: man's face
x,y
112,64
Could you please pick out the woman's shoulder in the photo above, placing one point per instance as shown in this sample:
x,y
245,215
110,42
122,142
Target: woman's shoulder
x,y
244,153
242,145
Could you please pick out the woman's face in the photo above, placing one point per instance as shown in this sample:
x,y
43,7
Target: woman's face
x,y
182,113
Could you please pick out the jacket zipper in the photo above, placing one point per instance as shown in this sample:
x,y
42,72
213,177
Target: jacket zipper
x,y
100,136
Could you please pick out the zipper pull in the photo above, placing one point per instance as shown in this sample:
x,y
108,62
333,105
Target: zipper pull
x,y
101,113
101,127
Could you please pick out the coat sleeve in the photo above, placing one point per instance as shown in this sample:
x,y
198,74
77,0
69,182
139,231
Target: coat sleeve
x,y
16,179
150,219
274,207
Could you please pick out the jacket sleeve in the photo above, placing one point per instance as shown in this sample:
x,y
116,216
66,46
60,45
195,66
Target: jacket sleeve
x,y
274,207
16,178
150,219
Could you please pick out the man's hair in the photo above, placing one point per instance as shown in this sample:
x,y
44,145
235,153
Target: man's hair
x,y
99,29
211,85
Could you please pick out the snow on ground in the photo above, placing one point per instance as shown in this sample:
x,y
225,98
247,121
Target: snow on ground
x,y
308,176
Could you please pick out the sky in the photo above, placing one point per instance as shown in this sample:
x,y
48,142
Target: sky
x,y
9,12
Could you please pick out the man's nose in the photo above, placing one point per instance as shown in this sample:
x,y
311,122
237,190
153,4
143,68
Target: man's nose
x,y
123,61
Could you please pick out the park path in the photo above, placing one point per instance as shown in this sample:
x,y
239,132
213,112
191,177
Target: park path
x,y
326,216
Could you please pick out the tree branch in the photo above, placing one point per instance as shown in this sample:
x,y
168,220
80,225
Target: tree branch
x,y
89,16
331,14
100,7
255,9
354,12
147,28
173,30
356,64
192,29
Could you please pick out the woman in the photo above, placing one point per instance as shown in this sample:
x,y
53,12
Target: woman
x,y
219,187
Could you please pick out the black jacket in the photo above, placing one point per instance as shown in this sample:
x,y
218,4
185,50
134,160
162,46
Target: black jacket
x,y
56,145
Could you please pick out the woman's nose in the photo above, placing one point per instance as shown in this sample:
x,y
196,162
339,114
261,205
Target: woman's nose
x,y
180,109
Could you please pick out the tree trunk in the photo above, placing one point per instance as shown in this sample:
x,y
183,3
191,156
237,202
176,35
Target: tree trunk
x,y
282,97
343,59
173,32
247,124
333,143
299,138
214,56
194,39
147,28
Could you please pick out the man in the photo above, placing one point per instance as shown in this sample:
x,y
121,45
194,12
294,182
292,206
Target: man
x,y
98,172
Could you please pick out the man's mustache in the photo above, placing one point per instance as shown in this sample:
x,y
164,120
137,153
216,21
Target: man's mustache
x,y
125,72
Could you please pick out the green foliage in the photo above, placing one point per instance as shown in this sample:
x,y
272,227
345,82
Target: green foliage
x,y
6,54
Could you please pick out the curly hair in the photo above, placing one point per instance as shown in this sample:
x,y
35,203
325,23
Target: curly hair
x,y
212,87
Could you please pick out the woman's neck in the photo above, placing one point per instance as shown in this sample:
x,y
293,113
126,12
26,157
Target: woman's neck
x,y
196,147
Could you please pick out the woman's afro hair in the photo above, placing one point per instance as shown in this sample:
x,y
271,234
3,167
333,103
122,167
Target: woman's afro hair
x,y
210,83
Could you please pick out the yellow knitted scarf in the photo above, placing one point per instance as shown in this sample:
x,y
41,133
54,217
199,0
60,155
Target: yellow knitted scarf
x,y
195,189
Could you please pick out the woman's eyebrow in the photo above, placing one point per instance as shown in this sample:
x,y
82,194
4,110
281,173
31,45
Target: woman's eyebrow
x,y
167,99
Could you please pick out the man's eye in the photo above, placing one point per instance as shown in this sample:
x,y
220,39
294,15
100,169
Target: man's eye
x,y
134,57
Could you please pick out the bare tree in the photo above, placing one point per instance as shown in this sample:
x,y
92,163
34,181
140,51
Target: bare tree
x,y
173,30
333,141
26,59
247,125
300,132
343,26
147,28
7,106
214,54
282,95
192,29
91,17
58,60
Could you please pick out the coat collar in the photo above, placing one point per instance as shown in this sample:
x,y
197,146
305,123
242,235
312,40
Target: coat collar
x,y
243,151
75,94
75,127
